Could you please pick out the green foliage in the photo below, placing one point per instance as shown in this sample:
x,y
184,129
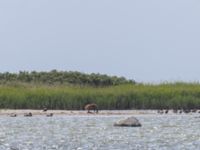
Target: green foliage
x,y
55,77
125,96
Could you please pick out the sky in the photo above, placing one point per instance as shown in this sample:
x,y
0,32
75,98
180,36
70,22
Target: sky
x,y
145,40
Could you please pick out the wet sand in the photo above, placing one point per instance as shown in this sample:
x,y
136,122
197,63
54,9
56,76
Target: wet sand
x,y
75,112
19,112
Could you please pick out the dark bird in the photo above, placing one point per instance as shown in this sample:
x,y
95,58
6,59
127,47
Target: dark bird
x,y
13,115
45,109
50,115
28,114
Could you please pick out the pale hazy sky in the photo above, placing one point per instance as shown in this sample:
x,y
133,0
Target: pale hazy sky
x,y
145,40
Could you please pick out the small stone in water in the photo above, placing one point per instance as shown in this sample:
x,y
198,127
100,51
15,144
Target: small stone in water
x,y
129,122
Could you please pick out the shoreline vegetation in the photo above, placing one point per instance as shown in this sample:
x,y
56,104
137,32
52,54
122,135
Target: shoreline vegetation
x,y
59,90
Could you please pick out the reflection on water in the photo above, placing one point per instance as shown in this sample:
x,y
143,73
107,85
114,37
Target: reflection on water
x,y
98,133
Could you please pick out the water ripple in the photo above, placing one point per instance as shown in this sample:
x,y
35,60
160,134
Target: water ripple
x,y
98,133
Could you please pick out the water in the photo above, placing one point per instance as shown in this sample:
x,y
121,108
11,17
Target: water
x,y
161,132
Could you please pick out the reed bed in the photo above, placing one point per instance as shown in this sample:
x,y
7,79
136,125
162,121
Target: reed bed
x,y
127,96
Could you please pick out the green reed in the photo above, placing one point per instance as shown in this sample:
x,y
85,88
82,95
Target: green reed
x,y
128,96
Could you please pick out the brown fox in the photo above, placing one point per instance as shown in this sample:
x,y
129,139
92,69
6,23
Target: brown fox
x,y
92,106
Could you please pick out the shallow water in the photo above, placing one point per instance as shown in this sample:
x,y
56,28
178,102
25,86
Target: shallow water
x,y
161,132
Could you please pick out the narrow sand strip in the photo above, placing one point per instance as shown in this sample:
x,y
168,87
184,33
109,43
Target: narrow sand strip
x,y
75,112
19,112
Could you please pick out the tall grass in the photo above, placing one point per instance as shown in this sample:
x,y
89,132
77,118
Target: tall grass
x,y
138,96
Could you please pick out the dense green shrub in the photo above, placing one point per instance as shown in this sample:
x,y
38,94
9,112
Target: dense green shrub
x,y
55,77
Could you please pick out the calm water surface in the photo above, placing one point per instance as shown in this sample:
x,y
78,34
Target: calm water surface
x,y
163,132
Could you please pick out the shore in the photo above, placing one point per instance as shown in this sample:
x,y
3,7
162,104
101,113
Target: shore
x,y
21,112
75,112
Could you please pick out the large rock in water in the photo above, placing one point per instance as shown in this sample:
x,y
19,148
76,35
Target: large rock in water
x,y
129,122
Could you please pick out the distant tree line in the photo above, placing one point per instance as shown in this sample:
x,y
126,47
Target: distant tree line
x,y
55,77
